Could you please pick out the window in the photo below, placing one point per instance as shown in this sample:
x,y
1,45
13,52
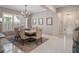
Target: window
x,y
16,22
7,22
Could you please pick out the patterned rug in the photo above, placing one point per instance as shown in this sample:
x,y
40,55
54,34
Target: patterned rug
x,y
28,46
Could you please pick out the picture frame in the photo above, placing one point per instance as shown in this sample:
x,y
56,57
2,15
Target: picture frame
x,y
0,20
34,21
49,21
40,21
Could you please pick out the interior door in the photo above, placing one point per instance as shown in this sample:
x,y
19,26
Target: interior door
x,y
69,23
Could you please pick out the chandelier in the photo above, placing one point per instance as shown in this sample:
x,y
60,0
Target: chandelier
x,y
25,13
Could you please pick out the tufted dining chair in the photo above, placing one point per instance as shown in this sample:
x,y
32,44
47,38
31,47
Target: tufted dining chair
x,y
23,36
16,33
38,35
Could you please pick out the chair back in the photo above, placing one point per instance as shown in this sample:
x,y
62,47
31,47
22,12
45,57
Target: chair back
x,y
76,35
38,32
22,34
16,30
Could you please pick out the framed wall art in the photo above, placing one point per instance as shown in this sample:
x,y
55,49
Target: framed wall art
x,y
34,21
0,20
40,21
49,21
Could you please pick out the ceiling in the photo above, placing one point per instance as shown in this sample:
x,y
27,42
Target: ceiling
x,y
31,8
58,6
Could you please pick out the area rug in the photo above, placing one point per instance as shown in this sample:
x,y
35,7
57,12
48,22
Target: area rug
x,y
28,46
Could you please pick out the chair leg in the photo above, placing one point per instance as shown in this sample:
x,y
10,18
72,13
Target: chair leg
x,y
36,42
22,41
15,38
41,39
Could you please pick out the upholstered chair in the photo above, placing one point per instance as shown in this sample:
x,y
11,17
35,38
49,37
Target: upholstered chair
x,y
23,36
76,35
16,33
38,34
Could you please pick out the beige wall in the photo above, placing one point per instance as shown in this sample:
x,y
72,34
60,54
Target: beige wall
x,y
0,27
71,10
61,29
47,29
58,19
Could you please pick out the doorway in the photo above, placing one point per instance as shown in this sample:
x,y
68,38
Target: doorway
x,y
69,26
69,23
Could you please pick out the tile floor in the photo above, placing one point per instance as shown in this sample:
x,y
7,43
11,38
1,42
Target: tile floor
x,y
9,47
53,45
56,45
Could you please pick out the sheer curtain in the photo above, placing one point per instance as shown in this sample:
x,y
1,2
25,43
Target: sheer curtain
x,y
9,22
